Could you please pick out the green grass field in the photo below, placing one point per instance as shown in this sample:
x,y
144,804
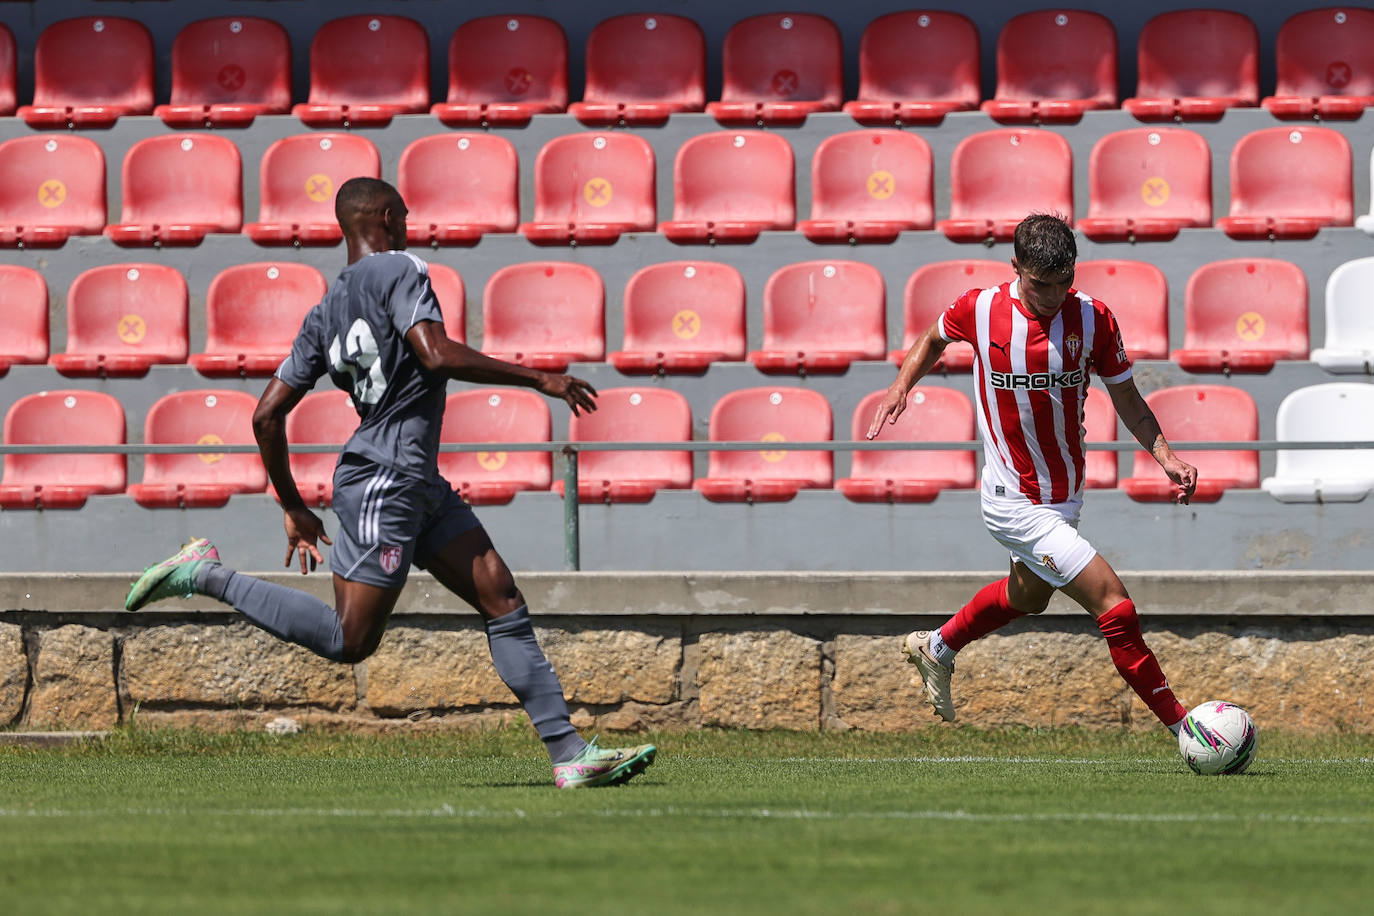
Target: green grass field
x,y
942,821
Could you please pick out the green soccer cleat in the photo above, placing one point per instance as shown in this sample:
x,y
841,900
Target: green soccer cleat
x,y
603,766
174,577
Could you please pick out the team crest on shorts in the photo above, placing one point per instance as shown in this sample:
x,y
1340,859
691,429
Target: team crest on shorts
x,y
1046,560
390,559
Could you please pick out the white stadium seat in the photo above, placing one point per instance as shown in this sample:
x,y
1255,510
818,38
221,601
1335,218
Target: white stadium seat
x,y
1366,222
1334,412
1349,319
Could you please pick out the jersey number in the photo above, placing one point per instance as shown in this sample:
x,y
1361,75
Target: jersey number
x,y
358,356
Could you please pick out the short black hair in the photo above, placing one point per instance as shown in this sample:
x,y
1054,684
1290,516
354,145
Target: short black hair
x,y
1045,246
361,195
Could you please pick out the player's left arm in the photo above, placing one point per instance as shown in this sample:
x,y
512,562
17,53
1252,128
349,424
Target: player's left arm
x,y
1144,426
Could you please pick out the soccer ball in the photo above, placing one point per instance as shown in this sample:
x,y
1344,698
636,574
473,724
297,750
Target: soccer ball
x,y
1218,738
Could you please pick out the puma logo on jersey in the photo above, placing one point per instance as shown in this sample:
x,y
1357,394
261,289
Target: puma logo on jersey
x,y
1036,381
1002,347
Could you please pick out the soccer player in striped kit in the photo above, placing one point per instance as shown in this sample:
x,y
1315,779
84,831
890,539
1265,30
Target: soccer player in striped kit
x,y
1036,340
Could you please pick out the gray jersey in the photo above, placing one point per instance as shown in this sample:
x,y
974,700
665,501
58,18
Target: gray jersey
x,y
357,336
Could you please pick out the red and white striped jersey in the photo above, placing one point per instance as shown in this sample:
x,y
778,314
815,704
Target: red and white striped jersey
x,y
1031,379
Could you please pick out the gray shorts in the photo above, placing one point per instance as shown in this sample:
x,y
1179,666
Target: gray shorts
x,y
388,521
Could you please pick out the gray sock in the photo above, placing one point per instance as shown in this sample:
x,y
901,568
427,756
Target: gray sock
x,y
522,665
284,612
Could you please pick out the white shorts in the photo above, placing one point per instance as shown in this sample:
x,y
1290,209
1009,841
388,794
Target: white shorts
x,y
1044,537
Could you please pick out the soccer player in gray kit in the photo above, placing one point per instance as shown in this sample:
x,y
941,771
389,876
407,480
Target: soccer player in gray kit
x,y
379,335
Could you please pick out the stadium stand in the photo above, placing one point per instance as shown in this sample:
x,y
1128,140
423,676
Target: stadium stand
x,y
503,70
641,69
1288,182
1099,425
51,187
915,67
1138,295
1325,64
632,415
545,315
930,290
779,68
58,481
729,186
459,187
199,417
24,316
321,418
1334,412
226,71
590,188
1200,413
123,318
1243,314
9,72
365,70
89,71
768,475
496,415
252,313
177,189
1053,65
1349,319
1192,65
1365,223
299,176
870,185
819,316
449,290
932,415
682,316
998,176
1148,183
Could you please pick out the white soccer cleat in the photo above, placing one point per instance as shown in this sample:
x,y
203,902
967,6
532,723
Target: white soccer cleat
x,y
916,648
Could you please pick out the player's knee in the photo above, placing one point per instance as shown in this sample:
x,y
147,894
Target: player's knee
x,y
358,646
1030,605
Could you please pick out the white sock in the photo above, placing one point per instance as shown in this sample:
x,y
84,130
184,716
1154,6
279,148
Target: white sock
x,y
942,652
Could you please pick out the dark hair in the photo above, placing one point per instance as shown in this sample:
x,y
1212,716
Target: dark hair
x,y
361,194
1045,246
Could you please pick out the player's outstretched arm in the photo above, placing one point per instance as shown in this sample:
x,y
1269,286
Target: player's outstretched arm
x,y
919,360
303,527
1141,421
441,355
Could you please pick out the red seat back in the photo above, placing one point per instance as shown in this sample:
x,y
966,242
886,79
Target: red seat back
x,y
65,417
183,179
1293,171
932,414
236,60
23,316
658,58
321,418
370,59
1151,173
1099,424
207,417
783,57
683,309
932,288
452,295
925,55
634,415
301,174
605,177
1199,54
1247,304
258,308
464,179
819,307
94,61
735,175
549,308
873,175
497,415
138,310
49,180
1138,295
1326,52
517,59
1203,413
1009,173
773,414
9,71
1057,54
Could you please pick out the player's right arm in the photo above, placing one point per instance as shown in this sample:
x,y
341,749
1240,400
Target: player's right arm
x,y
303,527
919,360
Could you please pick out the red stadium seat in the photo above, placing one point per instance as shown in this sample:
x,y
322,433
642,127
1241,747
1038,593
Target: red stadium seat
x,y
496,415
729,186
819,316
298,179
632,415
90,70
321,418
449,290
1200,413
1053,65
1194,64
1288,182
932,415
51,187
504,70
642,68
228,70
56,480
1325,64
1138,295
1147,183
545,315
768,475
252,314
123,318
681,317
208,478
459,187
869,185
24,316
916,67
1242,315
1099,423
997,177
9,72
178,188
780,67
366,70
590,188
932,289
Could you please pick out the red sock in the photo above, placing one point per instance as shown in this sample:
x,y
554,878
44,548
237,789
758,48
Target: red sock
x,y
1137,663
986,612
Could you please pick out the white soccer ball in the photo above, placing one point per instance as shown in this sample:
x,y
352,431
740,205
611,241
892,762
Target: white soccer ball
x,y
1218,738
